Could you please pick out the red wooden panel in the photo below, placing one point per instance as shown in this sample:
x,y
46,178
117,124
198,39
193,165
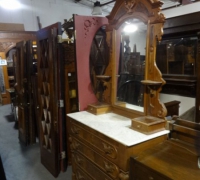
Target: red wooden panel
x,y
86,28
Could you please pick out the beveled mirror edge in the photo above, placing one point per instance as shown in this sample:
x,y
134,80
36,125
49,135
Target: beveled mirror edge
x,y
149,12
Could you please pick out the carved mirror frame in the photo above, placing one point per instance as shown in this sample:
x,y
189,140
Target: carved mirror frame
x,y
147,11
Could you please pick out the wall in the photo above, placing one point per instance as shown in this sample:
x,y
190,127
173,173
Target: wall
x,y
49,11
181,10
186,102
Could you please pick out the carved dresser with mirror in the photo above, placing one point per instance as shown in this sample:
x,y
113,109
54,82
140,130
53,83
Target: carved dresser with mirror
x,y
101,145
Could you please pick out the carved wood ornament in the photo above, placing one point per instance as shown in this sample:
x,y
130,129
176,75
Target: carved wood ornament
x,y
148,11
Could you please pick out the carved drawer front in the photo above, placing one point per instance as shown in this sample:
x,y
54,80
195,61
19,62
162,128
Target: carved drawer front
x,y
142,172
86,165
79,174
94,141
105,165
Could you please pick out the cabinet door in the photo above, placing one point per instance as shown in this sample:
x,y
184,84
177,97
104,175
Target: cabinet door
x,y
29,90
21,92
51,114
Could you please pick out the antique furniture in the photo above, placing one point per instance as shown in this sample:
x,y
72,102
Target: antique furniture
x,y
177,58
8,41
176,158
25,96
51,96
172,108
4,81
101,145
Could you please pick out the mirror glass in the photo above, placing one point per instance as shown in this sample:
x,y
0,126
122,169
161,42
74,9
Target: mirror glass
x,y
176,59
130,65
99,60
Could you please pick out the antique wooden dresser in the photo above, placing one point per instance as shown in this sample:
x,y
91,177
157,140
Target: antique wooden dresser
x,y
101,145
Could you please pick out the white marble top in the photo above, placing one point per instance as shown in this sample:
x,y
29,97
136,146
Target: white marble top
x,y
114,126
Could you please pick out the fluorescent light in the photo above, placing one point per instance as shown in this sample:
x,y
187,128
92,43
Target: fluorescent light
x,y
10,4
129,28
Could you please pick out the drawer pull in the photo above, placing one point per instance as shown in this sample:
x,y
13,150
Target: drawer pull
x,y
123,176
75,130
151,178
74,145
109,150
111,169
79,160
138,126
79,176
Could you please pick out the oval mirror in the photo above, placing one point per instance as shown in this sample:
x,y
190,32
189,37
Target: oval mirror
x,y
130,66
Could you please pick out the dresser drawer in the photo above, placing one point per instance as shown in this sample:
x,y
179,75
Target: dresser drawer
x,y
142,172
104,164
79,174
81,162
106,148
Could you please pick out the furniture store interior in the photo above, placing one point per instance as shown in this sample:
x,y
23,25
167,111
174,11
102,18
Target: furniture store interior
x,y
93,90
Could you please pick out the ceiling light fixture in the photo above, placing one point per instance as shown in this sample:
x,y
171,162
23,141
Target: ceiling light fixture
x,y
97,9
129,28
10,4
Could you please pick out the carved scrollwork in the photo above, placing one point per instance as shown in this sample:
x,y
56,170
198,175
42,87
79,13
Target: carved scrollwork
x,y
74,145
142,8
109,150
123,176
78,160
5,45
88,24
129,5
80,176
111,169
75,130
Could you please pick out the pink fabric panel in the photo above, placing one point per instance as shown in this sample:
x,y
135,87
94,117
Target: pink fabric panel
x,y
86,27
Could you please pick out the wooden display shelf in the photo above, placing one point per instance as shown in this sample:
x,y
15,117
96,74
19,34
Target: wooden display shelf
x,y
148,124
99,108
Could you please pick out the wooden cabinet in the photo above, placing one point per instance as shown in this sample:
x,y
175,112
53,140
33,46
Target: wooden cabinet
x,y
176,158
167,160
177,56
101,145
4,82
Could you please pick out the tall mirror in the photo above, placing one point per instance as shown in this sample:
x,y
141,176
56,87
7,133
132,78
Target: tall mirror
x,y
131,65
136,81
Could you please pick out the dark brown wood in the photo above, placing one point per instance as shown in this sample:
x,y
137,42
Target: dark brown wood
x,y
48,158
24,93
181,27
185,24
51,118
176,158
21,90
172,108
165,161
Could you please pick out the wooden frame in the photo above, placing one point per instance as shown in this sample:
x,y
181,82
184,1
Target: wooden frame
x,y
188,85
148,12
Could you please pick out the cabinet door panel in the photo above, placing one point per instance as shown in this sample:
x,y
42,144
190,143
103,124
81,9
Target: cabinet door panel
x,y
25,120
50,114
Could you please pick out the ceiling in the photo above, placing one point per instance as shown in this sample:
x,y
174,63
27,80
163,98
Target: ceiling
x,y
107,5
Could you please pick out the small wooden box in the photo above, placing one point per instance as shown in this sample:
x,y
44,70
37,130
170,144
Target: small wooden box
x,y
99,108
148,124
